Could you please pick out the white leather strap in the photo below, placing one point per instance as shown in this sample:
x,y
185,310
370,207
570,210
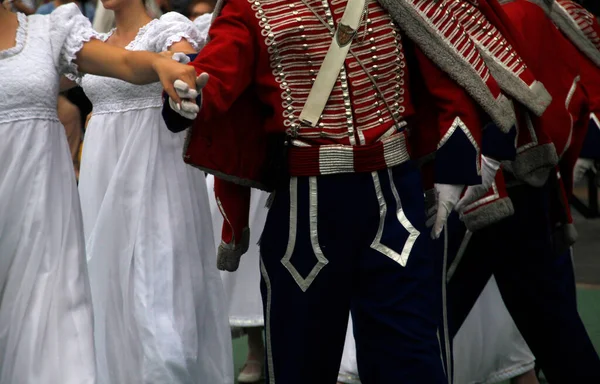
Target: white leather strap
x,y
332,65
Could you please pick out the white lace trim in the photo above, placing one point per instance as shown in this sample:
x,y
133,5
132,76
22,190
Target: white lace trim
x,y
176,38
138,37
118,106
31,113
73,46
140,41
20,38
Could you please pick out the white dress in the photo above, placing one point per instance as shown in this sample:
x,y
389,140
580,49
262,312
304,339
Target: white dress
x,y
46,327
242,288
159,304
488,348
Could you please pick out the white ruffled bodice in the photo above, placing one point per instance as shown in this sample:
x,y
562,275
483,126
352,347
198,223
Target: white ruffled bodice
x,y
113,96
45,48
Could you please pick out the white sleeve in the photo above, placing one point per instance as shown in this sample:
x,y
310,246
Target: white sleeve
x,y
69,30
172,28
203,24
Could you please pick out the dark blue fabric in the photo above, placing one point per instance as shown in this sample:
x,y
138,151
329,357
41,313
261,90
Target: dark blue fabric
x,y
394,308
174,121
455,161
497,144
192,56
536,284
591,144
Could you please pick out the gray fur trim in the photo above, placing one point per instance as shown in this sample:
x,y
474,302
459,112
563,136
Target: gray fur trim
x,y
228,259
534,165
448,59
488,214
542,96
536,98
546,5
569,27
229,255
510,118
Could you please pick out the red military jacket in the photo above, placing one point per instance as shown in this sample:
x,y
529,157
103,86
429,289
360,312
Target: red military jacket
x,y
564,123
262,58
583,31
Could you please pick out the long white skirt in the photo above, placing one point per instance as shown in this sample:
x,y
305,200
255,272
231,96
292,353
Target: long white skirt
x,y
158,299
349,367
242,287
488,348
46,333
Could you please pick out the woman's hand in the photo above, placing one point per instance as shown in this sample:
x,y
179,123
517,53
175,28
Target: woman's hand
x,y
169,71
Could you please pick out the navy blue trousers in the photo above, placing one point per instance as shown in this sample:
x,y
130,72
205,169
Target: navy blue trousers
x,y
536,282
351,242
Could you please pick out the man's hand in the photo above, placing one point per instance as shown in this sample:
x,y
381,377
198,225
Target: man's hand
x,y
188,109
179,57
447,196
489,168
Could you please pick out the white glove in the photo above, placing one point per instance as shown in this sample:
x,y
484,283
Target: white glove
x,y
186,108
583,166
447,195
181,57
489,168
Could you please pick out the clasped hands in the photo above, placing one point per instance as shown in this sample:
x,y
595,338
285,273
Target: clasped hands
x,y
188,107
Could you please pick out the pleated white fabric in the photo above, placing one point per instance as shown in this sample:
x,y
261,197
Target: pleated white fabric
x,y
242,288
160,309
349,366
489,348
45,312
46,324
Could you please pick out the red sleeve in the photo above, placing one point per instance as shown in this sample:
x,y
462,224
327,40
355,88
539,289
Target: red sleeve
x,y
459,123
229,58
233,201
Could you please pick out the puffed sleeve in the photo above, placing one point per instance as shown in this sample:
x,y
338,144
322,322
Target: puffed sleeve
x,y
173,28
69,30
203,24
